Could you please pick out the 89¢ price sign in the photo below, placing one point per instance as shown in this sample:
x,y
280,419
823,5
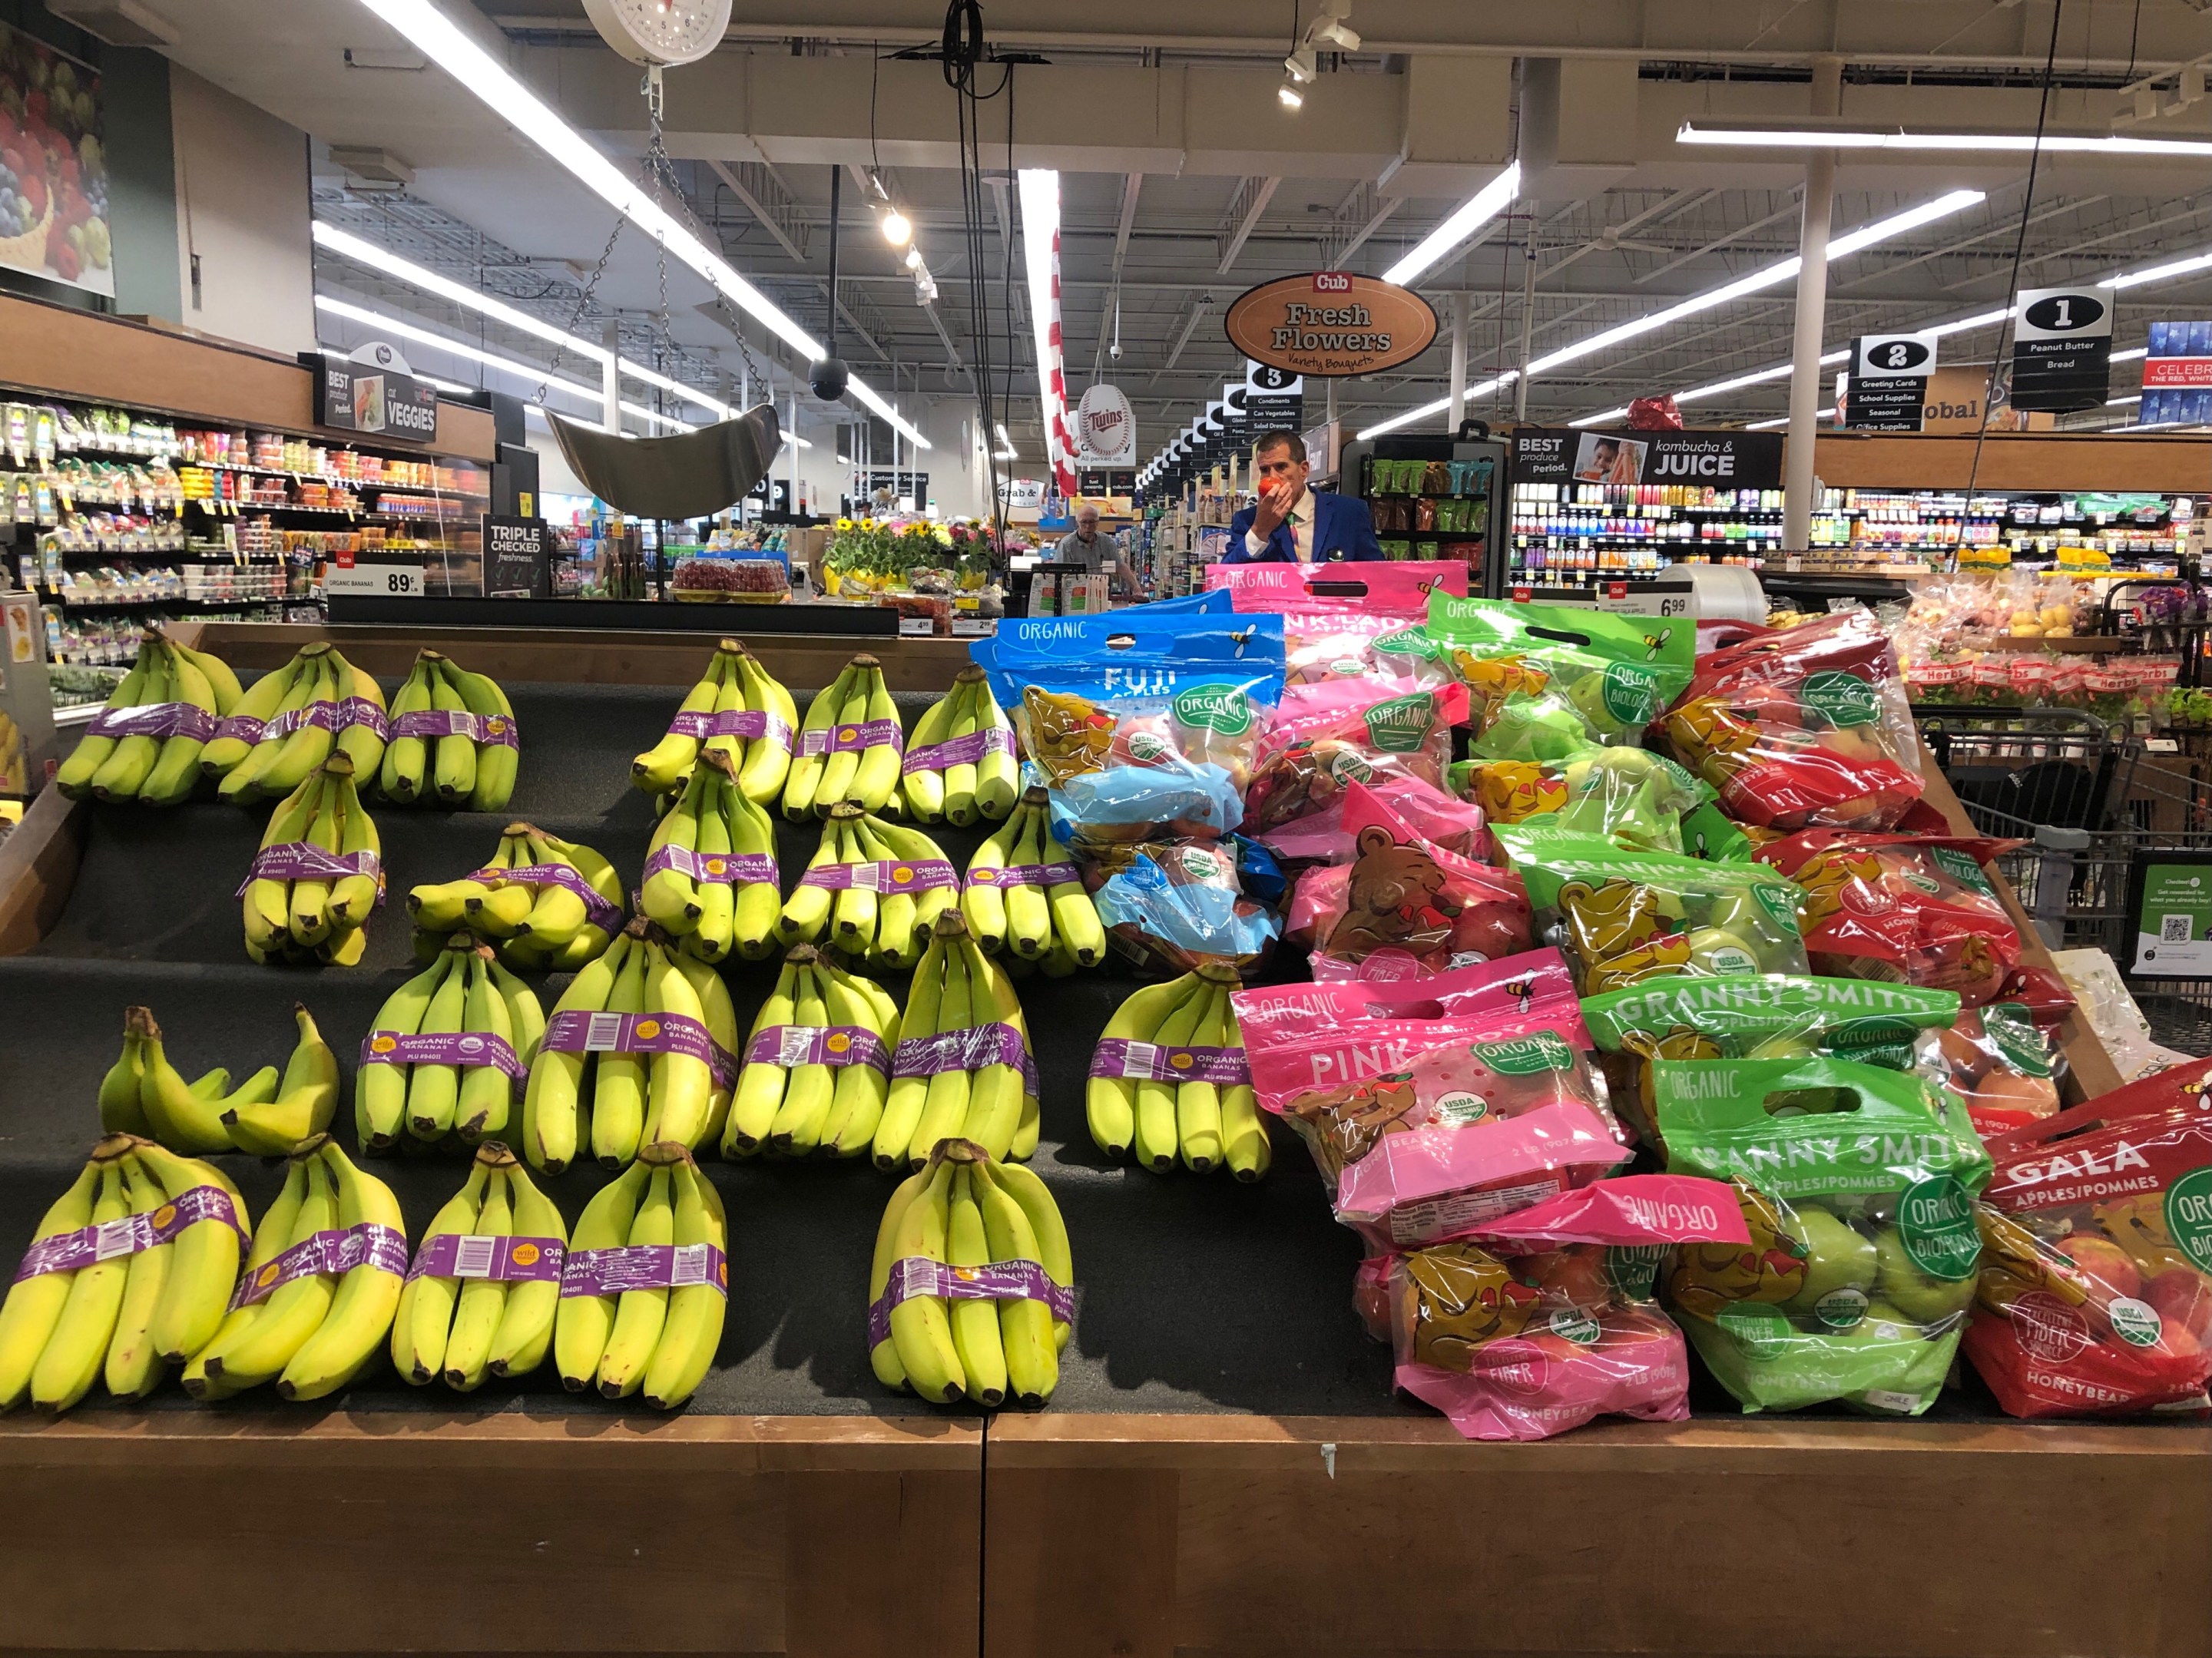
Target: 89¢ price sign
x,y
375,580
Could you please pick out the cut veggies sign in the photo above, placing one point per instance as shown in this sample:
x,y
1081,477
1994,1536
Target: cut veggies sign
x,y
53,167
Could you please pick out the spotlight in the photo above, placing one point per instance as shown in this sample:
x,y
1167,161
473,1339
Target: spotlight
x,y
913,256
1290,96
1330,32
896,227
1301,66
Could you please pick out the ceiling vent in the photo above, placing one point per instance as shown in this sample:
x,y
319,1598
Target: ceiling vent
x,y
371,169
118,22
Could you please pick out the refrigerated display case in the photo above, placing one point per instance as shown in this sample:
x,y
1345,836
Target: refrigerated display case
x,y
1432,496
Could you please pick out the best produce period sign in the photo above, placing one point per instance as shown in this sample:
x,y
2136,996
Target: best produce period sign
x,y
53,170
1330,323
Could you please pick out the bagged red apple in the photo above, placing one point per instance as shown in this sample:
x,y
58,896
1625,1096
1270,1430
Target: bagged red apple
x,y
1348,621
1321,738
1442,819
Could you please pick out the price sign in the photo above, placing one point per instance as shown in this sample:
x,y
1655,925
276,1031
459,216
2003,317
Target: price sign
x,y
375,581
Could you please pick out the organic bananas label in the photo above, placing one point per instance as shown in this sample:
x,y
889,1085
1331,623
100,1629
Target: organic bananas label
x,y
644,1266
501,1259
128,1235
329,1254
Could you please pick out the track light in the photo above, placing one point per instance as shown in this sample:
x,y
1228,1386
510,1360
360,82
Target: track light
x,y
913,256
1329,32
1290,96
1302,66
897,228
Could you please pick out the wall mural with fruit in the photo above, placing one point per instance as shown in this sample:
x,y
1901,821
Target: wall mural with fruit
x,y
53,167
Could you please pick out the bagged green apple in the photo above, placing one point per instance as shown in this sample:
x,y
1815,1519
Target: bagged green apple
x,y
1628,795
1546,681
1625,916
1858,1187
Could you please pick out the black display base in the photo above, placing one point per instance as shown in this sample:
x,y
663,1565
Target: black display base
x,y
611,615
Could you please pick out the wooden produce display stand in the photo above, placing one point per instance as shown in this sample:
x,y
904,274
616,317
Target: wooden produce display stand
x,y
1149,1512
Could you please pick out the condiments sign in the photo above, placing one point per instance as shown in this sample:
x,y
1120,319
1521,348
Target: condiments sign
x,y
1330,324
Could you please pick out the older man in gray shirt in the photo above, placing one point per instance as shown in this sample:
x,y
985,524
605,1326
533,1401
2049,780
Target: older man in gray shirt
x,y
1086,546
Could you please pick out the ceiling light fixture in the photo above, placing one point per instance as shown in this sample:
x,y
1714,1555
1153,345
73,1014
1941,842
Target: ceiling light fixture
x,y
2159,273
913,256
897,228
462,55
1302,66
1290,97
1486,205
1813,134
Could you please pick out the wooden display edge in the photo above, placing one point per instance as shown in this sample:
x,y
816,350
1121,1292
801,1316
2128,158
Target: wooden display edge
x,y
38,863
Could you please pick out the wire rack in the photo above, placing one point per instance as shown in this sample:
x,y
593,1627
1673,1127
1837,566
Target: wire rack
x,y
2085,797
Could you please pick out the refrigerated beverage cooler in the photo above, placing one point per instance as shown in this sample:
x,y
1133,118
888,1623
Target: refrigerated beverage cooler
x,y
1432,496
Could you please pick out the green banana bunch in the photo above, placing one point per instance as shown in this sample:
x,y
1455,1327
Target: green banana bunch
x,y
1196,1110
185,1118
814,1072
738,693
849,748
710,872
890,883
84,1311
961,1211
1023,892
960,997
470,769
292,720
317,914
480,1305
145,745
658,1340
967,743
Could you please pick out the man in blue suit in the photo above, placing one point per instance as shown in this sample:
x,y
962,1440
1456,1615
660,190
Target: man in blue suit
x,y
1292,524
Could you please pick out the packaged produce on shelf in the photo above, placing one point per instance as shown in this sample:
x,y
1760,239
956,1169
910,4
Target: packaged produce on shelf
x,y
850,746
640,1049
1537,1321
873,890
485,1283
453,740
1440,818
971,1295
1804,727
2002,1064
317,875
645,1284
1915,908
1323,738
1169,1079
816,1063
449,1050
1496,1105
319,1288
962,1066
1024,894
2095,1295
961,767
145,745
1629,795
737,710
1857,1185
1340,623
1624,916
128,1273
294,718
1170,906
1402,907
710,871
544,903
1545,681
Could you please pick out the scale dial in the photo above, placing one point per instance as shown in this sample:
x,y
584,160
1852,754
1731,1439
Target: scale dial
x,y
665,33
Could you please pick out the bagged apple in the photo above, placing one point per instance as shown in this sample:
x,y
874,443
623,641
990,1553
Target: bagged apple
x,y
1915,908
1546,1318
1624,916
2001,1063
1169,907
2096,1287
1321,738
1320,837
1343,622
1545,681
1423,1125
1857,1185
1629,795
1803,727
1402,907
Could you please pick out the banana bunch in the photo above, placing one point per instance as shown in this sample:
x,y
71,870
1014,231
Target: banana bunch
x,y
739,711
642,1047
319,1288
817,1065
127,1274
14,772
318,873
546,904
143,1094
963,1067
453,731
1023,893
962,764
710,873
145,745
1168,1078
971,1291
849,746
646,1283
446,1052
316,705
872,889
480,1298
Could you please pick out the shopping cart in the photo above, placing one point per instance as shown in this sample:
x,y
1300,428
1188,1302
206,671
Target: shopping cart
x,y
2089,803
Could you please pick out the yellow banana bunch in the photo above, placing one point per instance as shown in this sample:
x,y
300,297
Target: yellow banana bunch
x,y
849,747
873,890
962,1068
480,1298
710,871
646,1287
145,745
453,739
960,766
1024,894
128,1272
1169,1080
737,710
971,1289
817,1065
266,1114
543,903
318,873
448,1052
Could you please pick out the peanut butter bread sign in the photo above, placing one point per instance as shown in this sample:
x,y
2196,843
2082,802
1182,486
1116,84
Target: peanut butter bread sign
x,y
1330,323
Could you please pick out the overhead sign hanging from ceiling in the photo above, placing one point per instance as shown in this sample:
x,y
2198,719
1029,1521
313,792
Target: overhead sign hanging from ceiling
x,y
1105,429
1888,385
374,392
2062,350
1721,460
1331,323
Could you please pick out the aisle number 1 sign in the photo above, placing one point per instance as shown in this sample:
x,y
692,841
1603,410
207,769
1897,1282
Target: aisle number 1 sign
x,y
2062,350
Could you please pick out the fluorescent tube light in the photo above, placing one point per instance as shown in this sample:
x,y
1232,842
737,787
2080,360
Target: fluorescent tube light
x,y
2159,273
1478,210
391,325
1814,136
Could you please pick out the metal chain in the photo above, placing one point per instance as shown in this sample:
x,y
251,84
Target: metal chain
x,y
583,305
663,169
